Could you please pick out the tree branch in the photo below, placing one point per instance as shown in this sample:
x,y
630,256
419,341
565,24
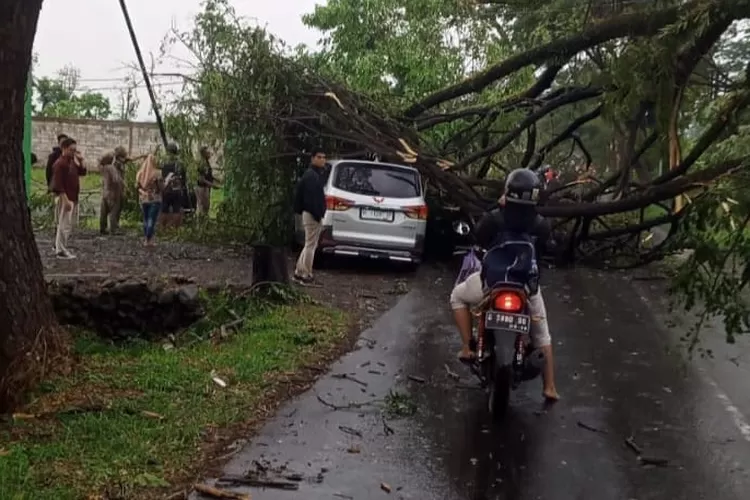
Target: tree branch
x,y
526,98
737,103
567,98
650,196
565,135
634,24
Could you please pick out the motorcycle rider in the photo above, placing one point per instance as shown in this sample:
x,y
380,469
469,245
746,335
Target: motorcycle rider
x,y
516,212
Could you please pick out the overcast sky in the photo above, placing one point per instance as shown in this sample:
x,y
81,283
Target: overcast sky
x,y
92,35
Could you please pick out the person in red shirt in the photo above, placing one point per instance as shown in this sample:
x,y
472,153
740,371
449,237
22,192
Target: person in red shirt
x,y
66,186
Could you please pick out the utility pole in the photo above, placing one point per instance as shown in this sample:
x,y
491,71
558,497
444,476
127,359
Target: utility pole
x,y
146,78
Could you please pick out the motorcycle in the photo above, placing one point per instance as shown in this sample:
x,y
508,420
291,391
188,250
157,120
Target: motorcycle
x,y
504,355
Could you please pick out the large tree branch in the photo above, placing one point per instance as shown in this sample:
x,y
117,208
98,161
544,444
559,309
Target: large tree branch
x,y
650,196
634,24
565,99
525,98
690,56
564,135
736,103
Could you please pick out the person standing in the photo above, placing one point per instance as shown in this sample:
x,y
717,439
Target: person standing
x,y
206,181
52,158
309,201
173,174
66,185
150,185
113,191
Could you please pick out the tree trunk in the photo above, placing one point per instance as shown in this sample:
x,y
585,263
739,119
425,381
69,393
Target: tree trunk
x,y
30,337
269,265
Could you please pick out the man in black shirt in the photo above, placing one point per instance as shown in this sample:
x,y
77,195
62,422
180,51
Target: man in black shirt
x,y
310,202
173,174
515,215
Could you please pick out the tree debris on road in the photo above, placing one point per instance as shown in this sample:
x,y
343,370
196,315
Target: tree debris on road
x,y
212,492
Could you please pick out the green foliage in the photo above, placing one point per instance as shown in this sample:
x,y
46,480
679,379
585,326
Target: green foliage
x,y
714,277
128,421
226,104
62,97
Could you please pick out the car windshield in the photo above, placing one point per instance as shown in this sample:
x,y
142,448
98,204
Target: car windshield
x,y
377,180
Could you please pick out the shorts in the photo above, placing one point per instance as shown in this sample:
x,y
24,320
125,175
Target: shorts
x,y
171,203
471,292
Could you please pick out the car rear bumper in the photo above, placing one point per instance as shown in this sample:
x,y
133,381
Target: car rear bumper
x,y
328,245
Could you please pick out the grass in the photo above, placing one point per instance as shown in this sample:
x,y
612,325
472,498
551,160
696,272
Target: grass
x,y
89,200
134,420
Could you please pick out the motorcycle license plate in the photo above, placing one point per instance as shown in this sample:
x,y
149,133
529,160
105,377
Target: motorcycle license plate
x,y
519,323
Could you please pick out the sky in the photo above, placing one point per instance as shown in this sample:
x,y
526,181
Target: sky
x,y
92,36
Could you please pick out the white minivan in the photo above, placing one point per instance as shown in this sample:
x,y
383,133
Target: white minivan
x,y
374,210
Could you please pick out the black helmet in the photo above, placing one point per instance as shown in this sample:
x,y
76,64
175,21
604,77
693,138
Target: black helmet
x,y
173,148
522,186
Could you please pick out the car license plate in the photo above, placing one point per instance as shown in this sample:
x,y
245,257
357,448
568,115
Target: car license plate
x,y
366,213
496,320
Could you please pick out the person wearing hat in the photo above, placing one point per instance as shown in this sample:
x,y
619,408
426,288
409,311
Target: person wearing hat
x,y
112,168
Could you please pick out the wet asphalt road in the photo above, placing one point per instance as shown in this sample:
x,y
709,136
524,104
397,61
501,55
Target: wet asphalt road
x,y
620,374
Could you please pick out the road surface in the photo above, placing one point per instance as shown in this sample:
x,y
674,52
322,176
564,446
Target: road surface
x,y
620,372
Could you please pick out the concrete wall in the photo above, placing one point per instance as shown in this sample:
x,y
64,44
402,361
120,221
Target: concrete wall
x,y
94,137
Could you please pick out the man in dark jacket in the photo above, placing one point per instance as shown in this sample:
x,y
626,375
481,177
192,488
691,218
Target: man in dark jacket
x,y
173,197
310,202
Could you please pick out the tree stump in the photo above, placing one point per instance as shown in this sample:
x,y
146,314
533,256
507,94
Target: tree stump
x,y
270,265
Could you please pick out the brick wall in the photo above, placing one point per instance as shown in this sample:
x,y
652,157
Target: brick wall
x,y
94,137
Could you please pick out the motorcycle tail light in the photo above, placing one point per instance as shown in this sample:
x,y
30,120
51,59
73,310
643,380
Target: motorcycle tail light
x,y
508,302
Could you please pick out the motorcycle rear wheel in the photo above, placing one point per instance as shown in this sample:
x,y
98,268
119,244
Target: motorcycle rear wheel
x,y
498,391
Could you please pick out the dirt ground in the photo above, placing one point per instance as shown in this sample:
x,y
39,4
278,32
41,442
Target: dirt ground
x,y
364,286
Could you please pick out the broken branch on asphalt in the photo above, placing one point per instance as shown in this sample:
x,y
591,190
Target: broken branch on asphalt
x,y
213,492
348,406
645,459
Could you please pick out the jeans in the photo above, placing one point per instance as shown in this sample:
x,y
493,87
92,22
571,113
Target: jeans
x,y
150,215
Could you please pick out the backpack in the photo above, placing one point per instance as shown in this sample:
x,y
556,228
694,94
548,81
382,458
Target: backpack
x,y
172,177
512,259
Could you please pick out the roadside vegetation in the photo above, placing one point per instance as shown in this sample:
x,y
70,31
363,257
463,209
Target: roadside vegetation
x,y
137,420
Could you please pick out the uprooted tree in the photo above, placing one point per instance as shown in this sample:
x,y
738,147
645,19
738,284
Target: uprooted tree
x,y
642,105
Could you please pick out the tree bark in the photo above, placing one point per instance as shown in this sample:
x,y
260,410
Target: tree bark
x,y
30,337
269,265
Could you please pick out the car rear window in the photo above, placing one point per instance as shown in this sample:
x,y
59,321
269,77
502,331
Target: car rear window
x,y
377,180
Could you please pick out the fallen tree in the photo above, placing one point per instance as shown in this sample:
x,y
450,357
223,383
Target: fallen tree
x,y
273,107
642,107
